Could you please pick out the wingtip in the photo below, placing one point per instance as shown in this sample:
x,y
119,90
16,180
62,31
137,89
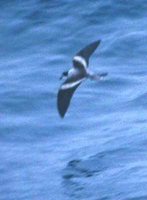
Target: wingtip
x,y
62,115
98,42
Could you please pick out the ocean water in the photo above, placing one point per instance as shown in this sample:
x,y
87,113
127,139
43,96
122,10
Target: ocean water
x,y
99,150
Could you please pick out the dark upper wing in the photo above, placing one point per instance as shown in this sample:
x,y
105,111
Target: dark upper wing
x,y
65,94
81,59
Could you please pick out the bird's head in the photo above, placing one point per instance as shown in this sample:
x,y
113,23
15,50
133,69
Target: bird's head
x,y
64,74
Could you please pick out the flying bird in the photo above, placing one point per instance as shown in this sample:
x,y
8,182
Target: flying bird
x,y
75,76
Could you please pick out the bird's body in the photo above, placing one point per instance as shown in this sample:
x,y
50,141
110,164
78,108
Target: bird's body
x,y
78,73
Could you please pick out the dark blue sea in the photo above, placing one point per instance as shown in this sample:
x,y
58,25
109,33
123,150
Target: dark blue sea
x,y
99,150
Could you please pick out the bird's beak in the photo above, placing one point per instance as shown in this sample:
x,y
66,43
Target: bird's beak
x,y
61,77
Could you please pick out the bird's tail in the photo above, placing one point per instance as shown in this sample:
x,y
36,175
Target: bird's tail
x,y
98,76
102,75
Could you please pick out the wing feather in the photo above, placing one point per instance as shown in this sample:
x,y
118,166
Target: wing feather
x,y
81,60
67,89
65,94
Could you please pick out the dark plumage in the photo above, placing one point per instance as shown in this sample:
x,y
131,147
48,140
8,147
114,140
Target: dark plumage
x,y
75,76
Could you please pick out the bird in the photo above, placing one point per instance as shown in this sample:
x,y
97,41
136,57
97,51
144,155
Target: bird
x,y
75,76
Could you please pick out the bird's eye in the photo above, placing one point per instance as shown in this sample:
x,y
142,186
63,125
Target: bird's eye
x,y
65,73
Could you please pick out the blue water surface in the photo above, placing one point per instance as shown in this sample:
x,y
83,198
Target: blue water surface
x,y
99,150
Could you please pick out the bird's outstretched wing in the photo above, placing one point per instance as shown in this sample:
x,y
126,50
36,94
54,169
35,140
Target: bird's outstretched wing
x,y
67,89
65,94
81,59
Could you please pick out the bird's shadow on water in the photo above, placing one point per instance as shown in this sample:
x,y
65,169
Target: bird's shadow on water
x,y
93,165
78,173
72,175
83,178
